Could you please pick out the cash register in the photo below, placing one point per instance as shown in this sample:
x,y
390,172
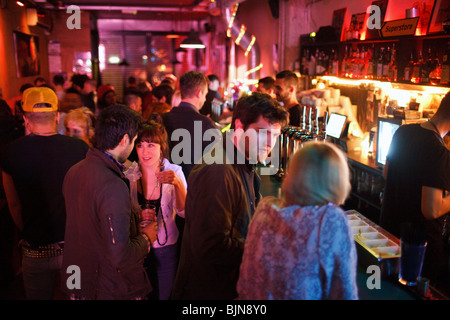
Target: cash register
x,y
337,128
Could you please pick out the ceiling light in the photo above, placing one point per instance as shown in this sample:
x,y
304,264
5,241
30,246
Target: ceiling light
x,y
172,35
192,41
114,60
20,3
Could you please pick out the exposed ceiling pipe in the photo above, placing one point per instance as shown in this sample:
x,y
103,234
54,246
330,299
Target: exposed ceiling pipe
x,y
141,8
246,39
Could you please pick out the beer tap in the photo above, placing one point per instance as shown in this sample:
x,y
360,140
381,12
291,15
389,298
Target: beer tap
x,y
316,124
309,121
283,152
303,120
324,128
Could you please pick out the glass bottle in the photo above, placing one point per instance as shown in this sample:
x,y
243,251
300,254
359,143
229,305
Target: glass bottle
x,y
355,63
319,63
445,73
363,64
371,60
379,75
393,71
407,72
427,68
304,66
334,64
386,61
417,70
436,73
344,68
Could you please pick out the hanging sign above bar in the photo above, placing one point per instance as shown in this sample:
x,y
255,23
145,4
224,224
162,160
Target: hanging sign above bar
x,y
397,28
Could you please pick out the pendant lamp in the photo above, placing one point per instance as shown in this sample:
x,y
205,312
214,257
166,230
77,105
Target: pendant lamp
x,y
192,41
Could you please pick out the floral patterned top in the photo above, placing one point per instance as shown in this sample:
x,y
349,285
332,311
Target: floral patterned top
x,y
300,253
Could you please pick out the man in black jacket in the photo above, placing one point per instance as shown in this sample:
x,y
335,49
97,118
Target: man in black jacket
x,y
213,86
104,250
223,193
185,125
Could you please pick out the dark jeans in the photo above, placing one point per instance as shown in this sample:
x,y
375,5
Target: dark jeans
x,y
161,265
41,277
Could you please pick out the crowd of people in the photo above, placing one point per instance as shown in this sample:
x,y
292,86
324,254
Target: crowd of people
x,y
110,189
148,199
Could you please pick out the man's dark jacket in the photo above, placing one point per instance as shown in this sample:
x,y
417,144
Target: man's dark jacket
x,y
220,202
101,232
187,117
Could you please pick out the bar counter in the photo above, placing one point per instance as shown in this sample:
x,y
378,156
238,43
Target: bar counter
x,y
390,288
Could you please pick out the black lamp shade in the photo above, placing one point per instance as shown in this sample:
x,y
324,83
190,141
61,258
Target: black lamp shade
x,y
192,41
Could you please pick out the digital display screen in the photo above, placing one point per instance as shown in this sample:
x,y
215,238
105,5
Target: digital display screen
x,y
386,130
335,125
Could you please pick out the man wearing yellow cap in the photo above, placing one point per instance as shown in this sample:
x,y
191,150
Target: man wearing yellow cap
x,y
34,167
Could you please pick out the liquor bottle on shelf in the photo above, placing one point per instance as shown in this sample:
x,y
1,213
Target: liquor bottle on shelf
x,y
304,66
407,72
344,68
417,70
360,63
380,55
318,63
325,61
386,60
308,63
427,68
371,62
393,71
355,58
334,64
329,70
363,64
436,73
321,63
445,73
348,63
312,63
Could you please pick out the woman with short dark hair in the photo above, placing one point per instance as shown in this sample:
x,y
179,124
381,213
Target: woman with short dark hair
x,y
161,192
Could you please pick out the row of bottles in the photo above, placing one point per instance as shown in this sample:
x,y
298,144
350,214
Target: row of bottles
x,y
370,63
429,70
315,64
378,63
359,63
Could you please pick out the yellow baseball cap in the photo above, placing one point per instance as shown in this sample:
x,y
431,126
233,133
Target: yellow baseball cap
x,y
39,95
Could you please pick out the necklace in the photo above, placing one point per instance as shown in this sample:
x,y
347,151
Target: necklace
x,y
148,202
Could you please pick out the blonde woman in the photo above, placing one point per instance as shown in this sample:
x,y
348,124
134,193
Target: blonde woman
x,y
79,123
301,247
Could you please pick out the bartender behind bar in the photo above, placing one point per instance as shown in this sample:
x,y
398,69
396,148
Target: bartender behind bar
x,y
417,176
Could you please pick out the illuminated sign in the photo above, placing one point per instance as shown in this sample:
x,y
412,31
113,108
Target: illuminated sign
x,y
396,28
